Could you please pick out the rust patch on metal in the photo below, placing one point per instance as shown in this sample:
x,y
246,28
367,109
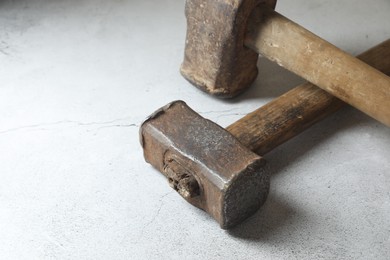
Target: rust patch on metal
x,y
205,164
215,59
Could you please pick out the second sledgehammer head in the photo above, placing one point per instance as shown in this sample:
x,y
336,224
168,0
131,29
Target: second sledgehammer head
x,y
205,164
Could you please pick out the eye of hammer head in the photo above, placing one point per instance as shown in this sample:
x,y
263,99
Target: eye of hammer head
x,y
204,163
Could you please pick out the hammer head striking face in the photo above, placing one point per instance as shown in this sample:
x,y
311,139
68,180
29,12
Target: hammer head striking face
x,y
205,164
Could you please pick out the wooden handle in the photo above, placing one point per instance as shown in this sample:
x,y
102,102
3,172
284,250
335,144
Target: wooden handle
x,y
319,62
296,110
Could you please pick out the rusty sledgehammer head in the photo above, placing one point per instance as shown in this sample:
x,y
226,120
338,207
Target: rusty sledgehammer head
x,y
215,59
205,164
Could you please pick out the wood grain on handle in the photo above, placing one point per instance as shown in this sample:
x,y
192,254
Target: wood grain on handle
x,y
296,110
319,62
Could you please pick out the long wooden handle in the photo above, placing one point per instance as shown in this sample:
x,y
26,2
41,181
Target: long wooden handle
x,y
319,62
296,110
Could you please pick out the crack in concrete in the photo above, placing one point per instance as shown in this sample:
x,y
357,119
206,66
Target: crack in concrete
x,y
3,47
110,126
78,123
161,200
220,111
223,113
4,52
104,123
232,114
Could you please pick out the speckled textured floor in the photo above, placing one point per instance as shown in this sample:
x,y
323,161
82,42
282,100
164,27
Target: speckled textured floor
x,y
77,79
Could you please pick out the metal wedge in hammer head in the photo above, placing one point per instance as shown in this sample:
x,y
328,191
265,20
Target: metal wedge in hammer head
x,y
205,164
215,59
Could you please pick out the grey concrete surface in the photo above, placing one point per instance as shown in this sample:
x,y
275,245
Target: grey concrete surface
x,y
77,79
